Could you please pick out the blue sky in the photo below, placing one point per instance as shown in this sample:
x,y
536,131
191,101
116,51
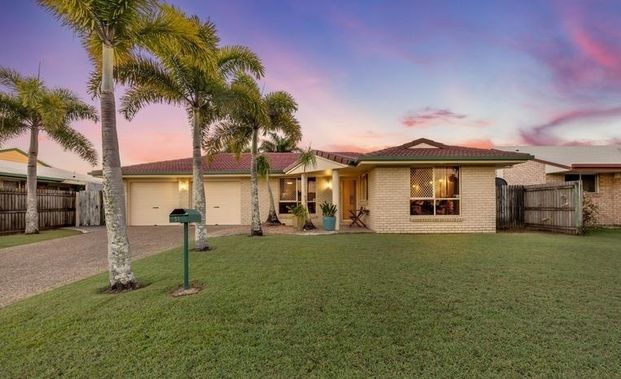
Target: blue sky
x,y
369,74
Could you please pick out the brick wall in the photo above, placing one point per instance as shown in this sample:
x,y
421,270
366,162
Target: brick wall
x,y
389,200
526,173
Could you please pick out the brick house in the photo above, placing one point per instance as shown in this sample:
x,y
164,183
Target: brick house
x,y
598,167
419,187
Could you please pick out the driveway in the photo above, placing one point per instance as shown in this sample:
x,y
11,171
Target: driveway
x,y
27,270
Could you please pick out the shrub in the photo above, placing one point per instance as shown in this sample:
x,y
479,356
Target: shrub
x,y
328,209
590,211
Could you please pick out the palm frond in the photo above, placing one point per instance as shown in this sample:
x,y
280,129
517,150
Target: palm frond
x,y
233,60
263,165
138,97
307,158
75,142
13,118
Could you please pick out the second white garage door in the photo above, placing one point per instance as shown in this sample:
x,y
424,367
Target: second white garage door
x,y
151,203
223,203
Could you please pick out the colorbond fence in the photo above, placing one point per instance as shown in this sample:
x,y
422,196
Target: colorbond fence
x,y
553,207
56,209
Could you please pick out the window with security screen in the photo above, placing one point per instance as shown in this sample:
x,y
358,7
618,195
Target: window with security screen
x,y
434,191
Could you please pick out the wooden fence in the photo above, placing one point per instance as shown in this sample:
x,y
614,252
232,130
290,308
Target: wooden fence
x,y
553,207
56,209
90,208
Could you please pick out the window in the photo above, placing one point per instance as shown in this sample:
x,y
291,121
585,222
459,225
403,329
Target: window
x,y
364,187
589,181
291,194
434,191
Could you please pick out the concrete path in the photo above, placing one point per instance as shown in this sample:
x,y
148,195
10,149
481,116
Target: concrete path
x,y
27,270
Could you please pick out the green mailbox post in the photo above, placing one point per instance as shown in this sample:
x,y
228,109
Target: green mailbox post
x,y
185,216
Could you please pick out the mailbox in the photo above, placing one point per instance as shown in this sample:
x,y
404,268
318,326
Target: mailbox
x,y
184,215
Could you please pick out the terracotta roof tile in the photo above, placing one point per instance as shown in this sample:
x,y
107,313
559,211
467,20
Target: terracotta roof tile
x,y
439,151
222,163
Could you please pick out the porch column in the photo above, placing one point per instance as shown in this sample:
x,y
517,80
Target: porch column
x,y
336,197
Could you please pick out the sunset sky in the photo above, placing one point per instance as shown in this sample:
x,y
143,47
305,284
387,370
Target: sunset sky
x,y
368,74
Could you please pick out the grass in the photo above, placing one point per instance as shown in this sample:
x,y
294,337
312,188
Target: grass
x,y
44,235
344,305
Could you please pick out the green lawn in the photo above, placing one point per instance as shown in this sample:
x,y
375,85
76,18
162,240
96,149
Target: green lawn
x,y
23,239
514,305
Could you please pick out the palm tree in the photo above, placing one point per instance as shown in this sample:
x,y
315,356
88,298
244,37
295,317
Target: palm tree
x,y
263,169
277,143
254,114
29,106
111,31
306,158
197,83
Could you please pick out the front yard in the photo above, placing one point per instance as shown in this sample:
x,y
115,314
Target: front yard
x,y
44,235
341,305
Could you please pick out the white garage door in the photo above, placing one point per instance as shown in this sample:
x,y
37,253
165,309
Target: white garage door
x,y
223,203
151,203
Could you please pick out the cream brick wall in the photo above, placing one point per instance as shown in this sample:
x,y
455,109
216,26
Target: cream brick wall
x,y
389,203
526,173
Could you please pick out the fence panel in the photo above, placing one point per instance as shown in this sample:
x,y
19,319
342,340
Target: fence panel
x,y
90,210
56,209
554,207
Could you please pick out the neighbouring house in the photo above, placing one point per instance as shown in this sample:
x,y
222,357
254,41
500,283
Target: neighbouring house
x,y
14,167
597,167
419,187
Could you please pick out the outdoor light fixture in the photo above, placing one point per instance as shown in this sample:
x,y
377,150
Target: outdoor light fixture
x,y
184,185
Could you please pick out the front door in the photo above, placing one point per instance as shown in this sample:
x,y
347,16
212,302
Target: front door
x,y
348,200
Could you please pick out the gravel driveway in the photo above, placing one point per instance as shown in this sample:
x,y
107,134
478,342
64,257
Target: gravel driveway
x,y
27,270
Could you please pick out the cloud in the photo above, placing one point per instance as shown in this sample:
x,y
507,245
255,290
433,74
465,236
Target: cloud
x,y
350,148
542,134
428,116
482,143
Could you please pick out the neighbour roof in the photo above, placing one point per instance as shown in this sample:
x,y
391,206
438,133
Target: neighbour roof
x,y
424,149
20,152
221,163
52,174
340,157
573,157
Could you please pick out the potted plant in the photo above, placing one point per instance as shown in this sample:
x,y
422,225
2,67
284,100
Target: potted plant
x,y
329,211
299,212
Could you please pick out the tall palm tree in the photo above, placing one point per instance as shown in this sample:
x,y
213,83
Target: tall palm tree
x,y
306,158
197,83
263,170
111,31
277,143
253,115
28,106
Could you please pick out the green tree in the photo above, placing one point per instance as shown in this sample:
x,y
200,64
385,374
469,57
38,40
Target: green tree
x,y
252,115
200,84
263,169
276,143
112,31
305,159
28,106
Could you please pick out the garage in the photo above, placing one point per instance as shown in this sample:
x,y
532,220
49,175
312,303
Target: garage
x,y
223,202
152,202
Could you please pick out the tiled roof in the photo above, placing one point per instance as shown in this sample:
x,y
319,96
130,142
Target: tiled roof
x,y
429,150
222,163
340,157
573,156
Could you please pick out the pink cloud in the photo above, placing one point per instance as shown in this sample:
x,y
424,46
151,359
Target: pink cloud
x,y
482,143
542,134
429,116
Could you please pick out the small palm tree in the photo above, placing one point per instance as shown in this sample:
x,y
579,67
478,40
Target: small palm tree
x,y
277,143
197,83
263,169
254,114
307,158
112,31
28,106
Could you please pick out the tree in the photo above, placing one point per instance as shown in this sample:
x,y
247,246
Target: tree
x,y
28,105
263,169
277,143
306,158
252,115
112,31
200,84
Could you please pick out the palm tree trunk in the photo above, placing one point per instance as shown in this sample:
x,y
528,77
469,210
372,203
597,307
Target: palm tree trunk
x,y
198,185
272,218
255,226
121,276
32,214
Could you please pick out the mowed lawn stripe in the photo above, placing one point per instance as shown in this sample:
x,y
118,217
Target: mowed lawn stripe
x,y
340,305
